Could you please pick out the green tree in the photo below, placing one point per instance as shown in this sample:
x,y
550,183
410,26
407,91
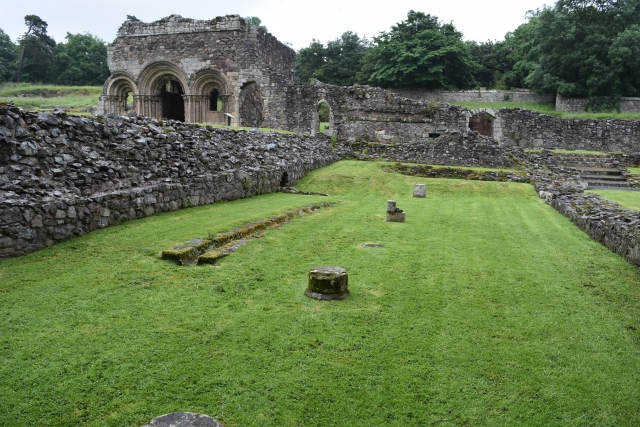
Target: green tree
x,y
7,57
36,51
585,48
495,60
309,59
337,63
421,52
82,60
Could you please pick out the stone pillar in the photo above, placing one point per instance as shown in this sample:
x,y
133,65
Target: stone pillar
x,y
327,283
393,213
420,190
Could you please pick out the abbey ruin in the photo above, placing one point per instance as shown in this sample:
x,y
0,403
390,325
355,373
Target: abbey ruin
x,y
63,176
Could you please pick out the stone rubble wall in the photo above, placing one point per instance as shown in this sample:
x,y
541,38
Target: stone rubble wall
x,y
474,95
529,129
453,148
62,175
579,105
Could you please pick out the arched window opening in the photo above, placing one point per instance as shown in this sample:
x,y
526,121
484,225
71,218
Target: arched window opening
x,y
172,101
214,101
324,118
128,103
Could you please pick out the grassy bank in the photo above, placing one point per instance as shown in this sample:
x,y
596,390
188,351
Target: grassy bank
x,y
47,97
486,308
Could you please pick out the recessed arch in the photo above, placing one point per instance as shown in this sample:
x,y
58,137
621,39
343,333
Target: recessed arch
x,y
155,74
210,96
163,87
116,91
323,113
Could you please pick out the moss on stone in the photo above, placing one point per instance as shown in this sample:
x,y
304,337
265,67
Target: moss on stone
x,y
180,256
211,257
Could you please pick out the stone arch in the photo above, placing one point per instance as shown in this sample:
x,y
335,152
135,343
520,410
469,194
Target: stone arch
x,y
251,105
315,119
482,121
203,83
115,92
157,97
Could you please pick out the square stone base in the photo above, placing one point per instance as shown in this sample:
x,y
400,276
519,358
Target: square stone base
x,y
395,217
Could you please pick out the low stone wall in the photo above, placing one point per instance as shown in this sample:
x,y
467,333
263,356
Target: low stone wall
x,y
579,105
62,175
529,129
474,95
451,148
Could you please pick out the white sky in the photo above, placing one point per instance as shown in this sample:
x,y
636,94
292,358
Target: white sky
x,y
293,21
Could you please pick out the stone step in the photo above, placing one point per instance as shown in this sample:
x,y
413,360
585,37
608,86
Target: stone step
x,y
601,183
610,178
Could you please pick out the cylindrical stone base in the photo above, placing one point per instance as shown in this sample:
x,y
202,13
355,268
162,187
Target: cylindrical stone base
x,y
420,190
327,283
183,419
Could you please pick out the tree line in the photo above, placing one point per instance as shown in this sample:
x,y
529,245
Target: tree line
x,y
578,48
37,58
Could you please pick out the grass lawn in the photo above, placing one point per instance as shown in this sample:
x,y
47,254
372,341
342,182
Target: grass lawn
x,y
546,109
628,199
486,308
72,98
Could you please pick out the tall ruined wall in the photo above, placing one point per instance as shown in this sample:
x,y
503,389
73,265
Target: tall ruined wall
x,y
62,176
363,113
530,129
226,43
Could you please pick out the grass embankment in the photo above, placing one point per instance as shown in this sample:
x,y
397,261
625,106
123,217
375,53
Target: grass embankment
x,y
486,308
48,97
547,109
628,199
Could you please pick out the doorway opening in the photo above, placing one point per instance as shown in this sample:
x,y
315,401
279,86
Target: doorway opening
x,y
172,101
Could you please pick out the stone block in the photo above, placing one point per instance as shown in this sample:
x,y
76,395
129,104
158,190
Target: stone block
x,y
393,213
328,283
420,190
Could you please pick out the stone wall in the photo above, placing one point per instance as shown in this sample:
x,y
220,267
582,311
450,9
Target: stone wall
x,y
578,105
474,95
530,129
224,54
62,175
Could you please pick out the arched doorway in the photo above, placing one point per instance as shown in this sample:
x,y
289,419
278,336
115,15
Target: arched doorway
x,y
322,119
172,101
482,123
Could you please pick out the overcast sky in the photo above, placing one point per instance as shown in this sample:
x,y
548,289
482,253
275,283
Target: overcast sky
x,y
293,21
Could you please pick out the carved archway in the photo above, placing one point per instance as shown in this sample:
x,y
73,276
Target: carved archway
x,y
163,87
115,92
209,96
315,119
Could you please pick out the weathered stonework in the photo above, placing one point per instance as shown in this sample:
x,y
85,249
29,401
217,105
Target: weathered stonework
x,y
223,54
62,176
481,95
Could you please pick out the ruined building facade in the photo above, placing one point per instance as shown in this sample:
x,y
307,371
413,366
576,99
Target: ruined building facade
x,y
197,70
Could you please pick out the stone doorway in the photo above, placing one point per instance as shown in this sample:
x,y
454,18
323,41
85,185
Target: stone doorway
x,y
172,101
482,123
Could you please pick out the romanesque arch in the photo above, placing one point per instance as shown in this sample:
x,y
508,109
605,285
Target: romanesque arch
x,y
162,86
316,119
209,96
116,91
251,105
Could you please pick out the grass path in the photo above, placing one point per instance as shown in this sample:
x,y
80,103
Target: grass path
x,y
486,308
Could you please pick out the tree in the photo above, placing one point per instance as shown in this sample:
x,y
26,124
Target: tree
x,y
421,52
495,60
82,60
337,63
585,48
36,50
132,18
254,21
7,57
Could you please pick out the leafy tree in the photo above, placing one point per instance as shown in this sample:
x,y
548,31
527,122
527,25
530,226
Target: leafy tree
x,y
132,18
7,57
421,52
309,59
495,60
585,48
337,63
82,60
36,51
254,21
